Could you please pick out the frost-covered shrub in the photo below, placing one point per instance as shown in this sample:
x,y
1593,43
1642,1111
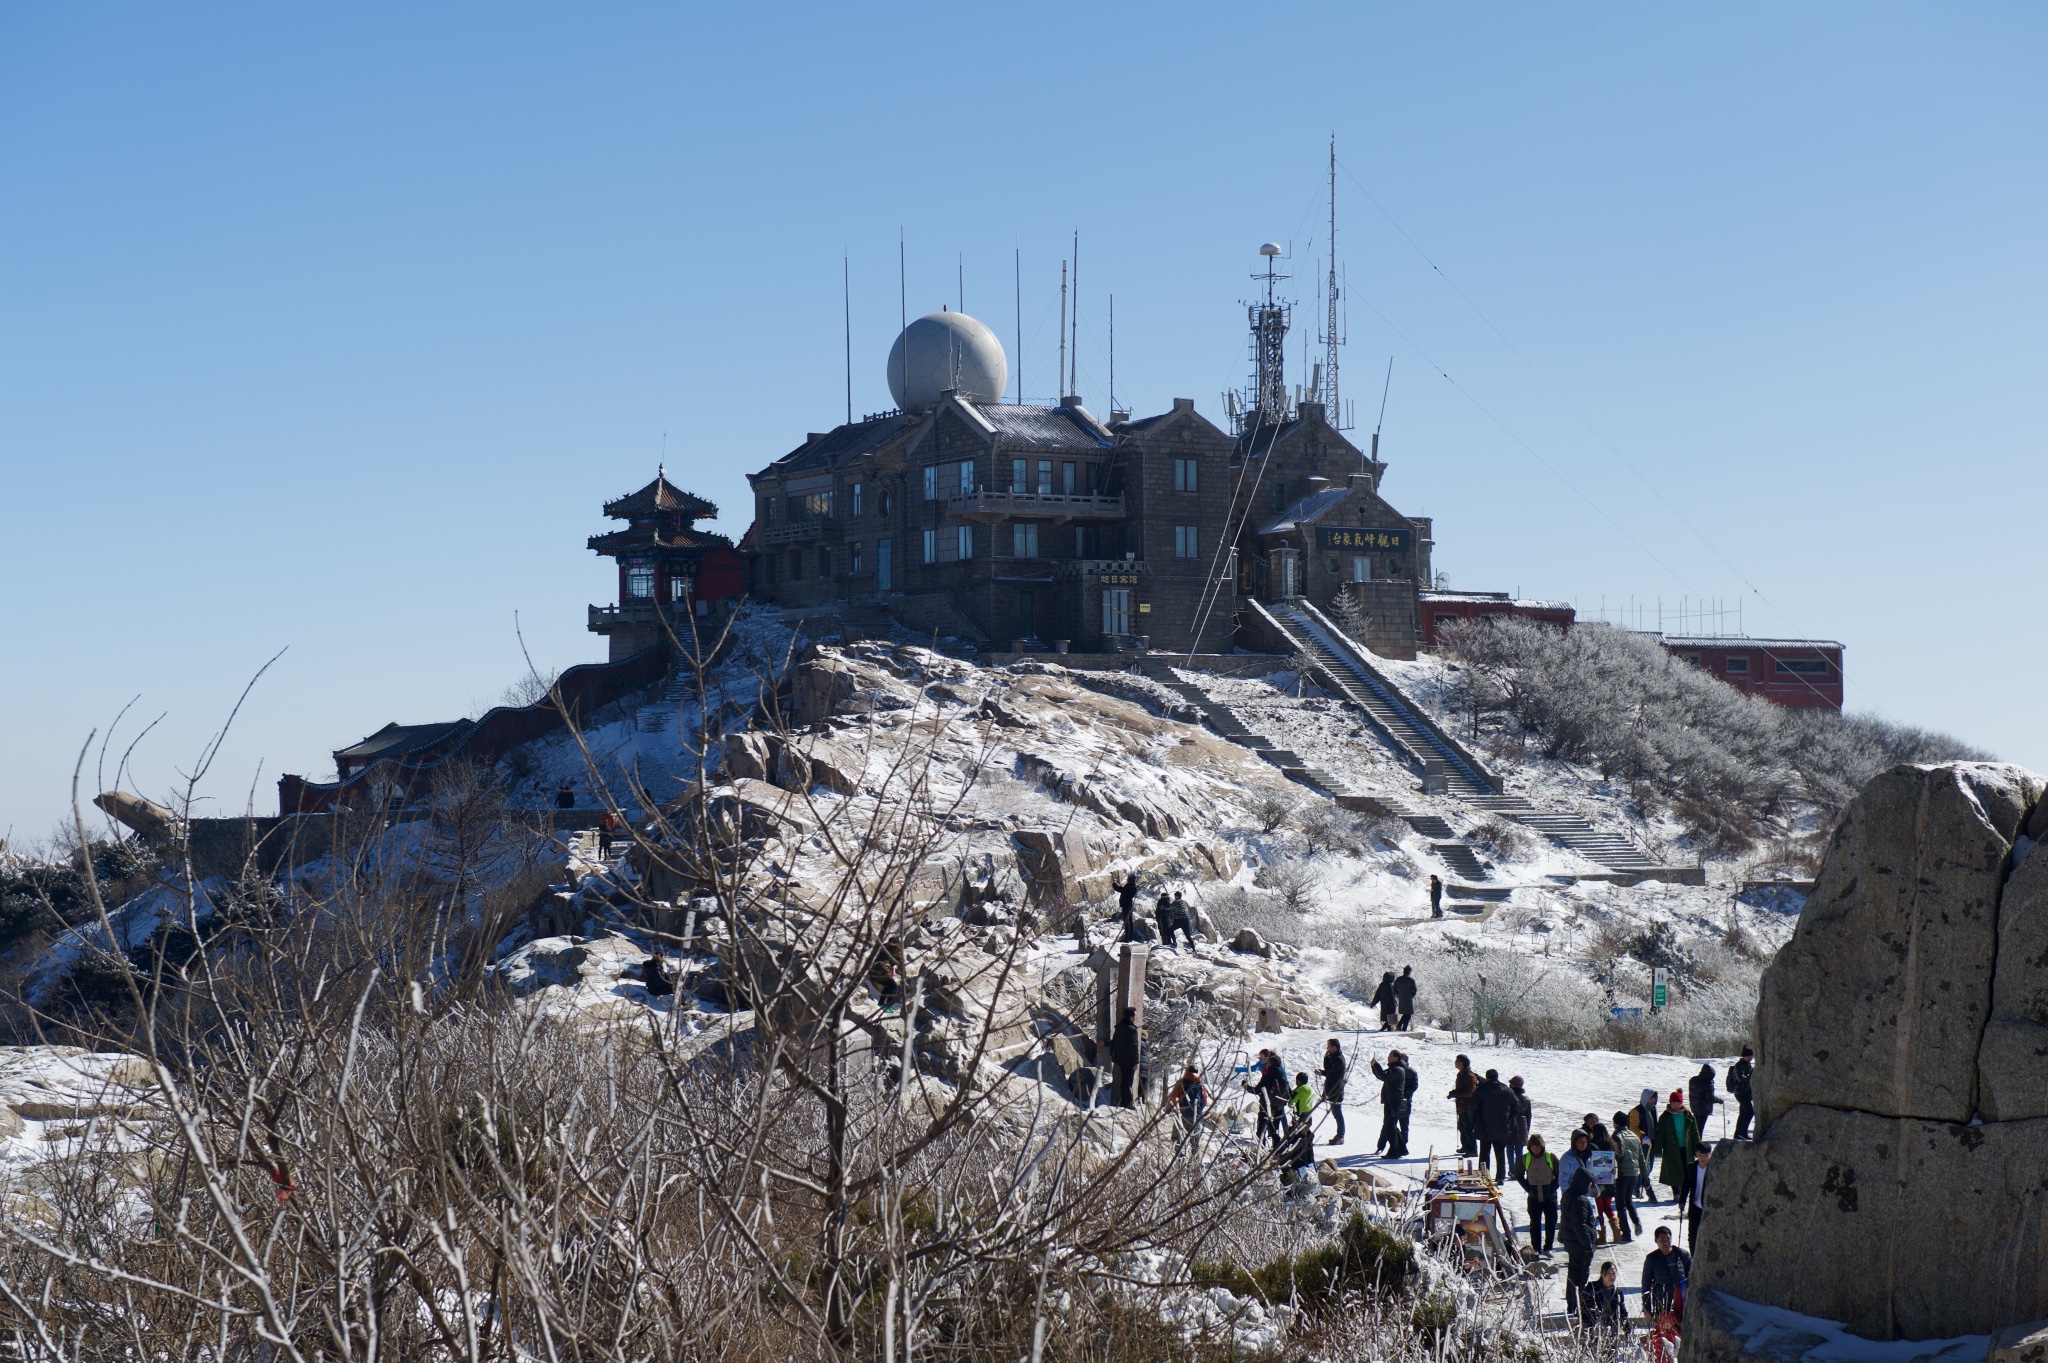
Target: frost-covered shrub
x,y
1723,761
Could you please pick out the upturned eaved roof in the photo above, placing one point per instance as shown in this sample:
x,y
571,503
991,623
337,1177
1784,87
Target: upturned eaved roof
x,y
396,740
661,495
655,537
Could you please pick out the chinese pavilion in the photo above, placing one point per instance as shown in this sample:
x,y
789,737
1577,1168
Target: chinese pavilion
x,y
669,570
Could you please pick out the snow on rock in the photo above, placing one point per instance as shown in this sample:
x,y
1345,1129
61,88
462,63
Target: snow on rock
x,y
1728,1329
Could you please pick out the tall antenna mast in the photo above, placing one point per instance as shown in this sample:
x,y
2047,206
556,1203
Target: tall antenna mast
x,y
1266,401
846,283
1330,336
1074,320
1112,357
960,264
1019,265
902,315
1060,379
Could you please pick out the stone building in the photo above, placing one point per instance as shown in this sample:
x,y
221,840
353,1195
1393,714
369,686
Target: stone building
x,y
1005,522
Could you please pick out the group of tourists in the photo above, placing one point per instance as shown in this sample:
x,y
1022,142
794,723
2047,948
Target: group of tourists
x,y
1173,914
1586,1196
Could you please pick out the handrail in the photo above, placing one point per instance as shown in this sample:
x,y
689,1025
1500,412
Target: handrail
x,y
1361,656
1279,626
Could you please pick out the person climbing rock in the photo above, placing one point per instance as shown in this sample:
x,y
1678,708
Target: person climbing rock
x,y
1127,904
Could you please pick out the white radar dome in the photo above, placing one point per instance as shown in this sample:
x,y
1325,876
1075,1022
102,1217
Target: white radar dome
x,y
943,350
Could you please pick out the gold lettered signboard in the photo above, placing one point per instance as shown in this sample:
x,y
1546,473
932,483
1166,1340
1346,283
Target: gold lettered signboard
x,y
1363,537
1118,579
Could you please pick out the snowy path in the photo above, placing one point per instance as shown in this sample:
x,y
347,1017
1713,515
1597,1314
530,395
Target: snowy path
x,y
1563,1086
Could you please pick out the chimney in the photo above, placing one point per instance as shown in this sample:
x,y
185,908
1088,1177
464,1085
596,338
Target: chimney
x,y
1071,400
1316,483
1183,404
1360,482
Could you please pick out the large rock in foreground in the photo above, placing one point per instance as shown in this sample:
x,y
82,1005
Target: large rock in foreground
x,y
2012,1061
1880,998
1900,1229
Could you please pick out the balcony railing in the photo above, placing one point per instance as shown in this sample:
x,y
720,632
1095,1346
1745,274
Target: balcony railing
x,y
989,506
786,532
637,615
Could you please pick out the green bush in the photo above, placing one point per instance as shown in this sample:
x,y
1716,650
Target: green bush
x,y
1363,1258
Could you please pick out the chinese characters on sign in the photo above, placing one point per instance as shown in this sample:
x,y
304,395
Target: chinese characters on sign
x,y
1361,537
1119,579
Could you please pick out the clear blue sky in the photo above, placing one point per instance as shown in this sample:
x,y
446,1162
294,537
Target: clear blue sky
x,y
329,328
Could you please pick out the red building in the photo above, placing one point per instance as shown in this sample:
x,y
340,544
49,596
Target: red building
x,y
1798,674
1446,608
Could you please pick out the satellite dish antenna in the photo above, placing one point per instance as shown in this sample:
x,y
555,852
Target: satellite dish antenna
x,y
1271,248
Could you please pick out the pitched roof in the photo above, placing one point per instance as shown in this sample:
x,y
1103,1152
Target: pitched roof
x,y
839,444
1067,428
396,740
1309,508
661,495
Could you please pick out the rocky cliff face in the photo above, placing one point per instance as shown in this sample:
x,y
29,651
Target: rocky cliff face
x,y
1900,1184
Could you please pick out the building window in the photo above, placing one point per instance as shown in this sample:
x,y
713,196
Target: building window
x,y
1393,567
1690,659
768,508
1045,477
964,542
855,492
931,546
640,582
1080,541
1020,477
1069,479
931,481
796,565
1024,539
1361,571
882,505
824,563
818,504
1184,476
1803,667
679,589
1184,541
882,565
1736,666
966,475
1443,620
853,559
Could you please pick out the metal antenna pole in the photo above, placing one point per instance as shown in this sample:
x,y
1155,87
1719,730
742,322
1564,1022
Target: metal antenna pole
x,y
1330,339
902,315
1074,320
1019,277
846,284
1060,379
1112,357
960,265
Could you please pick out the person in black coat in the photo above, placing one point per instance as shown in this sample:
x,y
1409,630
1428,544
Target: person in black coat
x,y
1333,1085
1162,914
1397,1087
1739,1078
1123,1054
1127,906
1270,1087
1578,1225
1494,1105
1404,998
1383,999
1700,1096
1665,1270
1606,1315
1436,897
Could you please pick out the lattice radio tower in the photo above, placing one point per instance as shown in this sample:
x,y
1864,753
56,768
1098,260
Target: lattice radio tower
x,y
1265,402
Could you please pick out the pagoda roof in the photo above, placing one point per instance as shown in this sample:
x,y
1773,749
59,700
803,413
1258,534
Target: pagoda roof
x,y
397,740
660,495
655,537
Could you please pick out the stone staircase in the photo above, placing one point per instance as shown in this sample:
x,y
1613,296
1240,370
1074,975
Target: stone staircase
x,y
1389,711
1228,724
1611,850
660,715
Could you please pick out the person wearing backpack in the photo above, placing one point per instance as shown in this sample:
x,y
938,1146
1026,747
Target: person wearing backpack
x,y
1576,1223
1536,1171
